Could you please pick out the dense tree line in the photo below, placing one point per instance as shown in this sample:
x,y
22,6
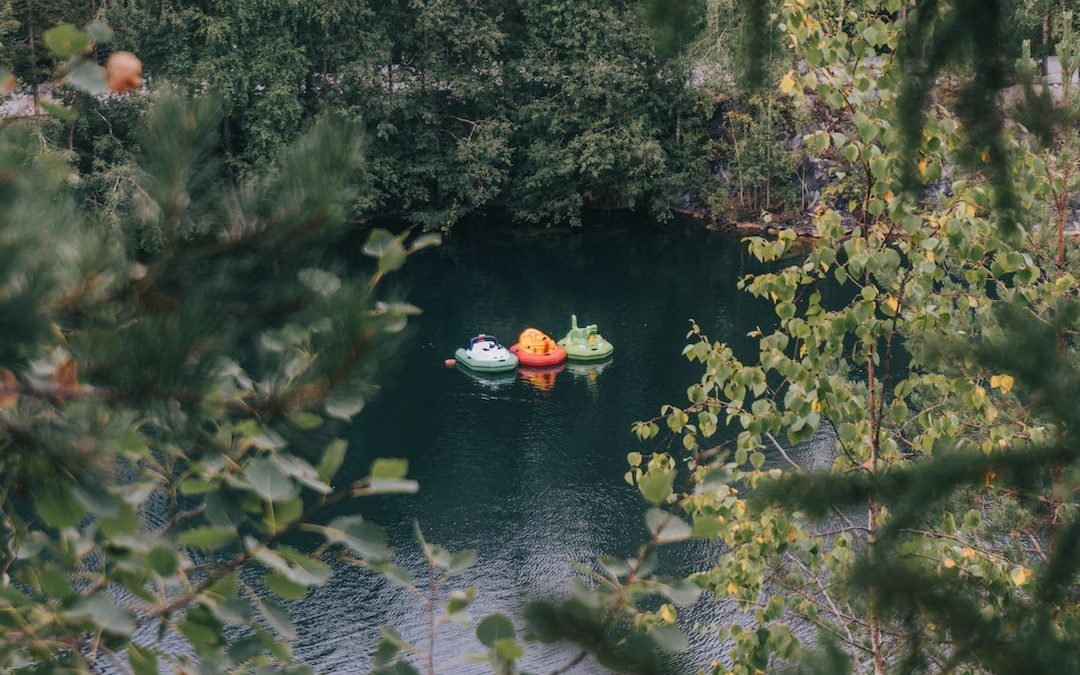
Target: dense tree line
x,y
544,109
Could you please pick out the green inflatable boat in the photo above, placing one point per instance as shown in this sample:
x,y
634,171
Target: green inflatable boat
x,y
585,344
485,355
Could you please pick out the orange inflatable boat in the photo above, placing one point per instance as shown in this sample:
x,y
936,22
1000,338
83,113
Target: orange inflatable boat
x,y
533,348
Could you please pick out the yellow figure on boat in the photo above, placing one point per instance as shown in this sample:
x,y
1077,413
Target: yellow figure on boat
x,y
534,348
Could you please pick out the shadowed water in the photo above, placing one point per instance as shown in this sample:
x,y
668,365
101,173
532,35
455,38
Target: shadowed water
x,y
528,470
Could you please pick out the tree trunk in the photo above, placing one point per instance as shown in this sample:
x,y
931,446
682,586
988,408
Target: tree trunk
x,y
1046,43
872,510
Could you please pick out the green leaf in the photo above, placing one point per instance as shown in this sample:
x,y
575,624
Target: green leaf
x,y
67,41
389,647
459,600
344,406
508,649
99,31
297,567
332,457
299,470
397,668
775,609
88,76
208,537
396,573
143,660
319,281
126,521
247,648
54,582
365,538
162,560
285,513
268,481
426,240
461,561
492,628
276,616
682,592
395,486
389,468
673,527
669,639
105,614
284,587
223,510
57,506
95,498
305,420
387,248
656,485
202,629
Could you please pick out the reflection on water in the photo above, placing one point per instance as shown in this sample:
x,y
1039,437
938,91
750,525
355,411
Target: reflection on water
x,y
527,468
589,372
541,378
489,381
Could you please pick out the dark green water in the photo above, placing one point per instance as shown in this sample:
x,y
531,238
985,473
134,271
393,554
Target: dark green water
x,y
529,472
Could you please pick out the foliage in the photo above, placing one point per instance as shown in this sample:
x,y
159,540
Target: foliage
x,y
942,371
25,48
754,146
172,382
544,108
160,394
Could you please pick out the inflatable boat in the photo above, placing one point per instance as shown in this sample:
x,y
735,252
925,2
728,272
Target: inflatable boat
x,y
585,344
534,348
485,355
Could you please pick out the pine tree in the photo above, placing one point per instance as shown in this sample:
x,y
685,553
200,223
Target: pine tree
x,y
160,385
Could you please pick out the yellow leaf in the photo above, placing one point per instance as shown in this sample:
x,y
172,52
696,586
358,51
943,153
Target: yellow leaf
x,y
930,256
816,406
731,589
667,613
1020,575
888,195
922,167
969,552
949,563
893,303
970,209
788,82
1002,382
803,349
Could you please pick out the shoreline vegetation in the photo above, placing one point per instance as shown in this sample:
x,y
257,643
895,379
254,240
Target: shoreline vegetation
x,y
495,105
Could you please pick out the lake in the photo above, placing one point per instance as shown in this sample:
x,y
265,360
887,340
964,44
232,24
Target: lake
x,y
528,469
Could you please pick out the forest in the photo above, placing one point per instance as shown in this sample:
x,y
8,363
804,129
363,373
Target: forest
x,y
833,242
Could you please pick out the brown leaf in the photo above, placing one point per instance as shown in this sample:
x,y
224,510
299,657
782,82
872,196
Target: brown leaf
x,y
66,375
9,389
